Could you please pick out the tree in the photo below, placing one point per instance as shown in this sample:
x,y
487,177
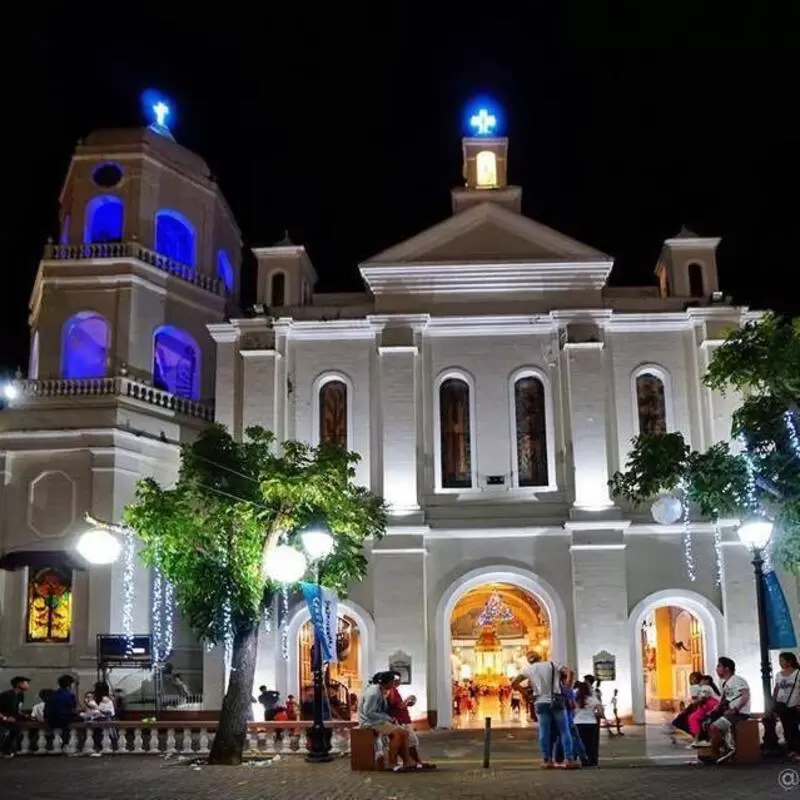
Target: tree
x,y
761,361
212,532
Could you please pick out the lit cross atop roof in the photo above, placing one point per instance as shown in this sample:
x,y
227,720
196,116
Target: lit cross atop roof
x,y
483,122
161,111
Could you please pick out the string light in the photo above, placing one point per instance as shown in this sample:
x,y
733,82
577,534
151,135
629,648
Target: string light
x,y
128,587
285,623
162,617
156,627
267,619
788,418
688,544
718,552
227,626
169,616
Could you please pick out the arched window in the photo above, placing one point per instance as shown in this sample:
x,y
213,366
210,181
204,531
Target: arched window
x,y
278,290
175,236
333,413
486,169
696,288
454,433
85,340
651,403
531,430
225,271
176,362
49,613
104,215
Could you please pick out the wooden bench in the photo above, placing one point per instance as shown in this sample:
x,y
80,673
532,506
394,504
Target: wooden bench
x,y
748,744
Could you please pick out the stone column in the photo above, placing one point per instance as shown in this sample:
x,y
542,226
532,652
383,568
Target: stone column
x,y
600,601
587,405
227,411
398,575
741,617
259,388
398,392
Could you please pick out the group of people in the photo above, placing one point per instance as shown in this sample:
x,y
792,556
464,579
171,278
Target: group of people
x,y
568,712
383,710
57,708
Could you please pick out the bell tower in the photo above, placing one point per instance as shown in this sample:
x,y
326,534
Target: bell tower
x,y
485,168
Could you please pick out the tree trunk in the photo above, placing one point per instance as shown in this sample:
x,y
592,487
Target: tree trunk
x,y
236,707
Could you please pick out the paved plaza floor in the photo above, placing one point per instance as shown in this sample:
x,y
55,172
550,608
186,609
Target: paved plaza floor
x,y
627,771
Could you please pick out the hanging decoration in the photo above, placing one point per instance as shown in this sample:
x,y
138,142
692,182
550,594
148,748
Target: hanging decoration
x,y
688,543
128,586
162,617
285,623
267,619
228,627
495,611
718,553
667,510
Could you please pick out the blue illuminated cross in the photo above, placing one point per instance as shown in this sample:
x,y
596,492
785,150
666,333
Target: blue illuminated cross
x,y
161,110
483,122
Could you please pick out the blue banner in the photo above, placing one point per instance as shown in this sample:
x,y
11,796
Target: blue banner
x,y
323,608
780,630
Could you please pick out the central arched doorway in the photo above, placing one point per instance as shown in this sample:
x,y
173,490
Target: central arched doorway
x,y
492,627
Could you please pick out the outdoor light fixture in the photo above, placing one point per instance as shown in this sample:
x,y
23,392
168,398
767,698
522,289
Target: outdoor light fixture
x,y
755,533
99,546
317,541
285,565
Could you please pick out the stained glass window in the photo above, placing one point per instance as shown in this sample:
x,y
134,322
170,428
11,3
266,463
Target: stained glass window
x,y
529,409
49,605
651,404
333,413
455,434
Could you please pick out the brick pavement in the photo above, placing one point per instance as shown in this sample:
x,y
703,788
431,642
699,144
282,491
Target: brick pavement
x,y
150,778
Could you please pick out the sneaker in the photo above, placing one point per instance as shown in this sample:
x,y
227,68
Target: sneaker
x,y
725,756
546,765
697,743
572,765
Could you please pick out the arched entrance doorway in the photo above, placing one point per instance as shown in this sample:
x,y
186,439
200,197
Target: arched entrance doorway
x,y
492,627
674,634
343,676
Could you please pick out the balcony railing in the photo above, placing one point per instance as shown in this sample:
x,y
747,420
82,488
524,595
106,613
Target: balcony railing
x,y
187,739
117,250
110,387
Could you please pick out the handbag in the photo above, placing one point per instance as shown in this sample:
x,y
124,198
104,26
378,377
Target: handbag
x,y
558,702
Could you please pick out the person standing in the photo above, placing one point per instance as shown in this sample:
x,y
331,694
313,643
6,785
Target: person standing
x,y
587,721
549,706
786,700
11,715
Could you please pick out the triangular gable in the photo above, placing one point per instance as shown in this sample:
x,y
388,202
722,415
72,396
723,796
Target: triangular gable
x,y
488,233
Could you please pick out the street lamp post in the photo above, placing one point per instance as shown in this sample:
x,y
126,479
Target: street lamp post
x,y
287,565
756,534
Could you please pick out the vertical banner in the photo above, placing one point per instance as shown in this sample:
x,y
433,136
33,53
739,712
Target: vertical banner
x,y
780,630
323,608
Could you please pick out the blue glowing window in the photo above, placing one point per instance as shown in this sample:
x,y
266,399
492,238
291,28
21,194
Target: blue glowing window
x,y
176,362
225,271
175,236
104,215
84,346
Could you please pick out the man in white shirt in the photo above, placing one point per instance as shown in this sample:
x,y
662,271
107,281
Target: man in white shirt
x,y
544,680
736,705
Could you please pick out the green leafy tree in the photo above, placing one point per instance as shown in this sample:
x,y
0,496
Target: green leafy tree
x,y
760,361
210,535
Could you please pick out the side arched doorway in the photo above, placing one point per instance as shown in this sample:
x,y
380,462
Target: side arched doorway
x,y
485,621
674,633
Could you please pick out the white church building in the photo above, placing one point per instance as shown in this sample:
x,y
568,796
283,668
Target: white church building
x,y
488,376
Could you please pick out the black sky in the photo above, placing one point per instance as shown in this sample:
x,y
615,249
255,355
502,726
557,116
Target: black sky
x,y
626,120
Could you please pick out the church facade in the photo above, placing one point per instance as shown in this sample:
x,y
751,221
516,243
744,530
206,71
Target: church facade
x,y
489,378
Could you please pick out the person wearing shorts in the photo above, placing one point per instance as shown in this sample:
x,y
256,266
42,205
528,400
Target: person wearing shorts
x,y
373,713
734,707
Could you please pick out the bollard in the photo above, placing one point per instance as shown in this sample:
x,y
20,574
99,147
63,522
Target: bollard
x,y
487,741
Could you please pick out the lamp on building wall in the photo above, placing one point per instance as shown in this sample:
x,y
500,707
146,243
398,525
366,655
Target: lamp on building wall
x,y
99,545
756,533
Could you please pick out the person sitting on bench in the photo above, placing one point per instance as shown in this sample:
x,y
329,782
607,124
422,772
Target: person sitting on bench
x,y
373,712
734,707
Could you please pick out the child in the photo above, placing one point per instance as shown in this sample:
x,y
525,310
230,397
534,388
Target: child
x,y
291,707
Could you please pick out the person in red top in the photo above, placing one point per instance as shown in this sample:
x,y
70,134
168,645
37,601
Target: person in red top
x,y
398,709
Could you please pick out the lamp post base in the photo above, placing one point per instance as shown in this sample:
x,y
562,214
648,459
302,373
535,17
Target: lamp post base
x,y
319,751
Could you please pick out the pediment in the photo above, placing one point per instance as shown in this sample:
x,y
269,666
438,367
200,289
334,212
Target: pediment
x,y
487,233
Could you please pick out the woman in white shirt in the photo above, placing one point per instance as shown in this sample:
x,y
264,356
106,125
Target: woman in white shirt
x,y
587,721
786,700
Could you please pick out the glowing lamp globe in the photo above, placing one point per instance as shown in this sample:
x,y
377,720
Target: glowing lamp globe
x,y
10,391
99,546
667,510
285,565
755,533
317,543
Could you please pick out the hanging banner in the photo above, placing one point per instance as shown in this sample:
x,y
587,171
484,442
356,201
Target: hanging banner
x,y
780,630
323,606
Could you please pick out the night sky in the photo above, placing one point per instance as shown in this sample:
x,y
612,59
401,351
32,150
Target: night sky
x,y
345,127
